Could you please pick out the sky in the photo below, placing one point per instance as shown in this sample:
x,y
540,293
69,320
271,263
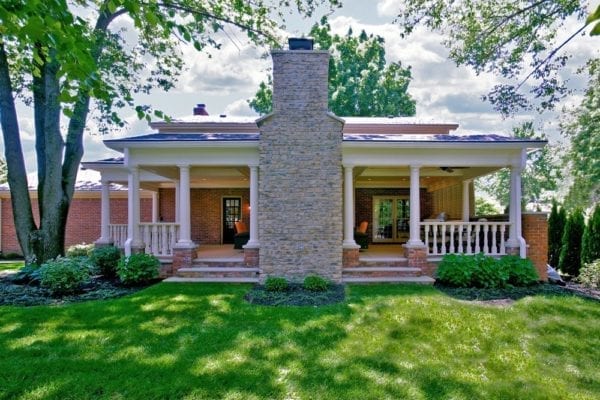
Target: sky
x,y
227,79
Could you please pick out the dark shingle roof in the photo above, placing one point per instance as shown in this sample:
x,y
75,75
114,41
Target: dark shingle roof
x,y
371,137
189,137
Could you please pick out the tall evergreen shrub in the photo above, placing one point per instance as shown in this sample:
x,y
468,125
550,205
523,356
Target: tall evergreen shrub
x,y
590,246
570,254
556,227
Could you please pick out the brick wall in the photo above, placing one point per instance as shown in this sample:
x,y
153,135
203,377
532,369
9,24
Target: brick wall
x,y
363,204
535,233
206,211
83,223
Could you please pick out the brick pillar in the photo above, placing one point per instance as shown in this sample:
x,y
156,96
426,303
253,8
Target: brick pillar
x,y
535,233
350,258
416,256
183,257
251,257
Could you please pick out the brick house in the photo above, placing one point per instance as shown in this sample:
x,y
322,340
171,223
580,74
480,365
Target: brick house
x,y
301,179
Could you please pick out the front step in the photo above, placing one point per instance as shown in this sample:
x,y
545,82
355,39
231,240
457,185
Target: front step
x,y
383,262
423,280
179,279
382,271
221,262
217,272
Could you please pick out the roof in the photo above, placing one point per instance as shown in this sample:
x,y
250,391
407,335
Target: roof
x,y
188,137
479,138
87,181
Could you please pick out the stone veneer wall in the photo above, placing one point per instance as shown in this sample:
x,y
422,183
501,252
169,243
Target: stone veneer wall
x,y
300,172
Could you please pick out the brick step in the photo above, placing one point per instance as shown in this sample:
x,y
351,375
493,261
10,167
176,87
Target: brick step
x,y
208,263
423,280
383,262
179,279
381,271
217,272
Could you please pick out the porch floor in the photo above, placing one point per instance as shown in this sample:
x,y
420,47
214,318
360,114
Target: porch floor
x,y
219,252
382,252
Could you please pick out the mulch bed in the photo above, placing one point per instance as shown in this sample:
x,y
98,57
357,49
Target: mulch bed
x,y
507,296
296,295
12,294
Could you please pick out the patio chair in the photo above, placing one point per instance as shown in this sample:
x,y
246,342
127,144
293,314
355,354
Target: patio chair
x,y
242,235
360,235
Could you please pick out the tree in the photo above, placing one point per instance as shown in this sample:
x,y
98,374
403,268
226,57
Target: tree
x,y
582,160
2,170
484,207
539,177
556,227
570,253
590,246
361,83
516,40
62,57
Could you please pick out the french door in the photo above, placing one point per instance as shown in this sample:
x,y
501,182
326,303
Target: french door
x,y
232,212
391,215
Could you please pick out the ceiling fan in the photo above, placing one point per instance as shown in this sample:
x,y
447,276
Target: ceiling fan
x,y
451,169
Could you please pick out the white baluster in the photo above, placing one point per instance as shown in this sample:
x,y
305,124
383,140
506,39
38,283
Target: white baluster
x,y
469,249
443,238
494,246
434,227
452,246
155,236
502,249
486,242
427,237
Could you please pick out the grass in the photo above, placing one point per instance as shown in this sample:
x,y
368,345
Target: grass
x,y
186,341
11,265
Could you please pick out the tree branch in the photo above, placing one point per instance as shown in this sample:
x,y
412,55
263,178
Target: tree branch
x,y
511,16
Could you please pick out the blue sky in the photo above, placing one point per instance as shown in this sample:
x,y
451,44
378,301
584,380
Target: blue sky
x,y
225,81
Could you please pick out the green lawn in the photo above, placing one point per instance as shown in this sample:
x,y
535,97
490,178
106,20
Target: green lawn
x,y
203,341
10,265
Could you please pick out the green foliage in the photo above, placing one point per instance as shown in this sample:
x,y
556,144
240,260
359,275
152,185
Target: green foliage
x,y
3,170
80,250
106,260
487,273
361,82
590,274
570,254
276,284
556,227
64,275
456,270
539,178
481,271
484,207
582,160
590,246
514,40
138,268
315,283
520,271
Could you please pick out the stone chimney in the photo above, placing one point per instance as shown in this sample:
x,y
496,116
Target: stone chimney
x,y
200,109
300,173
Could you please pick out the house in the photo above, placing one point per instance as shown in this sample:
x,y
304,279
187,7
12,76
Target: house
x,y
301,179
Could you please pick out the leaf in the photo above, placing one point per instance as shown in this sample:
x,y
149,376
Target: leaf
x,y
596,30
593,16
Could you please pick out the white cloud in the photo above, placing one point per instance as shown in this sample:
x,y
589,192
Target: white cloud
x,y
240,108
387,8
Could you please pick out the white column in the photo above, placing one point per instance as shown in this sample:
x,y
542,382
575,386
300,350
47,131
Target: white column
x,y
465,200
349,241
514,235
415,208
133,212
105,214
177,214
185,238
253,241
155,207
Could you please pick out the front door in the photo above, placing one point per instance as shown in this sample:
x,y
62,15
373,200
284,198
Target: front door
x,y
232,212
390,219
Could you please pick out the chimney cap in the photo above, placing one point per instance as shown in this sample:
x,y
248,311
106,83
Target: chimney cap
x,y
300,43
200,109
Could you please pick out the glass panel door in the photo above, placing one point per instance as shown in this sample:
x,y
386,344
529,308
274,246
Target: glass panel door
x,y
390,219
232,212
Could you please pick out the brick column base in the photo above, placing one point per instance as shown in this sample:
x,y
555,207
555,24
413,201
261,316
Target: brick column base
x,y
350,258
535,233
416,256
251,257
183,256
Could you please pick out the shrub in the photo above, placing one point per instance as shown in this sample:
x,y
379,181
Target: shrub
x,y
315,283
487,273
590,245
570,254
106,260
456,270
556,226
138,268
276,284
80,250
590,275
520,271
64,275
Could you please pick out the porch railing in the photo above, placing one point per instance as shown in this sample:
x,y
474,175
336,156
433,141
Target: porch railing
x,y
487,237
159,237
